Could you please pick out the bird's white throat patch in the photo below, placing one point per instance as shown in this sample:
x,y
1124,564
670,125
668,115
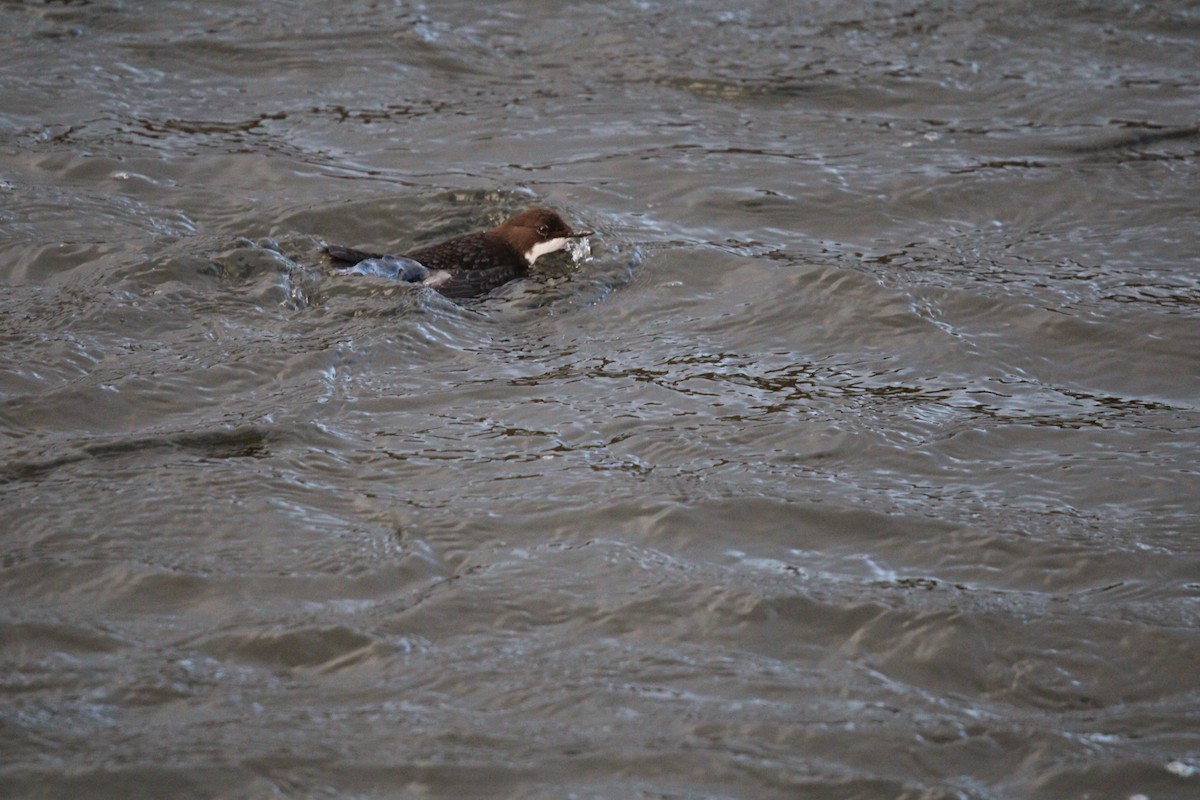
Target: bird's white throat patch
x,y
542,248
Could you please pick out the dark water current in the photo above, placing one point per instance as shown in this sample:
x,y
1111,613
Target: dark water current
x,y
861,459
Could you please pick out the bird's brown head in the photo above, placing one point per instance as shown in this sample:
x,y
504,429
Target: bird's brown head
x,y
538,231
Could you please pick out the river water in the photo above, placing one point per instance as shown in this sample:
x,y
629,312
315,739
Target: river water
x,y
859,457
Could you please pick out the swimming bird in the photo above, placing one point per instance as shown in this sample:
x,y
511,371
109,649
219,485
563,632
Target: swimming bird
x,y
473,264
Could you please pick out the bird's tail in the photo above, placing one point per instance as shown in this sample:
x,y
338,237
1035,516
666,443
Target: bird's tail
x,y
348,254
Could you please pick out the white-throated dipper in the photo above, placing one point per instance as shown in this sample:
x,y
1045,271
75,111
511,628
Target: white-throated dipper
x,y
475,263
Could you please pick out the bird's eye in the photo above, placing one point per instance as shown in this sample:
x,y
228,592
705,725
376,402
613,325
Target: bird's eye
x,y
543,229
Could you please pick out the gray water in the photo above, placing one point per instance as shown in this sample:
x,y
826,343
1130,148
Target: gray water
x,y
858,460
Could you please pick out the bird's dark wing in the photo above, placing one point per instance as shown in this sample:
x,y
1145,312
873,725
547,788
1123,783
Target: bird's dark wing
x,y
474,282
473,251
477,263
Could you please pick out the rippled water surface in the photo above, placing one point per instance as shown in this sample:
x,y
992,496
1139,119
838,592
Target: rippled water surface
x,y
857,459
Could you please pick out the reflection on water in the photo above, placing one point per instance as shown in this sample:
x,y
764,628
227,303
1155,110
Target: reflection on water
x,y
854,456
